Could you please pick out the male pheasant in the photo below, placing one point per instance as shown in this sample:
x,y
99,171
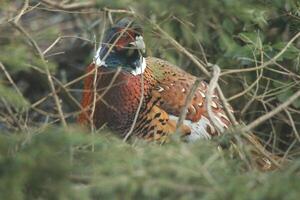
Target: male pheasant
x,y
143,96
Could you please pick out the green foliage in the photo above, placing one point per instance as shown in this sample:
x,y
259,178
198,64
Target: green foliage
x,y
67,164
19,52
34,168
12,98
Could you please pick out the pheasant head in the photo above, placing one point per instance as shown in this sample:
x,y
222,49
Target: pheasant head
x,y
123,46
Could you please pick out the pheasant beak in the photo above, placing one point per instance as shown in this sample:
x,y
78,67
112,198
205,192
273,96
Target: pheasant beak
x,y
139,43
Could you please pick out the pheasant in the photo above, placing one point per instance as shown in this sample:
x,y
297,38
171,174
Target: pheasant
x,y
143,96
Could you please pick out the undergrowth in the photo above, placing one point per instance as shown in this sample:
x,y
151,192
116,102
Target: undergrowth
x,y
71,164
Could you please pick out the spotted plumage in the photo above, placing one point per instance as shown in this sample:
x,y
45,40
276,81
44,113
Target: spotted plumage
x,y
145,95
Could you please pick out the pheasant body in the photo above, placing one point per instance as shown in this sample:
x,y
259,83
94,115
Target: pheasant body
x,y
127,92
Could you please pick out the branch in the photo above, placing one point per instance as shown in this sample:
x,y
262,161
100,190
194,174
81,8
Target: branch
x,y
186,104
137,111
10,79
24,8
267,116
211,87
71,7
84,5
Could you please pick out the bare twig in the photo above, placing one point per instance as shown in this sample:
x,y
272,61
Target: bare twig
x,y
23,11
211,88
72,6
10,79
247,89
24,8
52,45
91,4
292,124
270,114
137,111
187,103
226,105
